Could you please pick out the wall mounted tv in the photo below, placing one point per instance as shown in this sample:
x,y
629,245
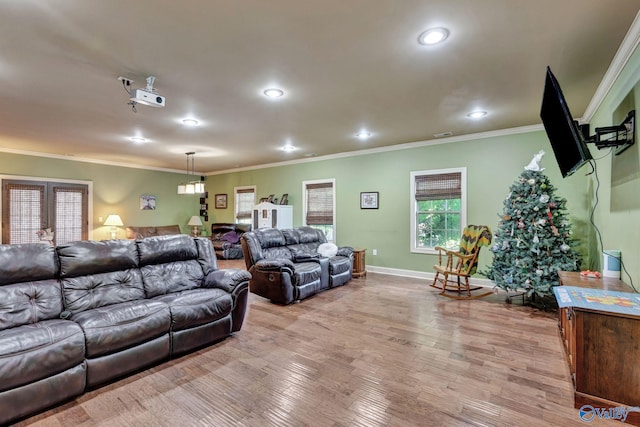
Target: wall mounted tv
x,y
569,140
565,135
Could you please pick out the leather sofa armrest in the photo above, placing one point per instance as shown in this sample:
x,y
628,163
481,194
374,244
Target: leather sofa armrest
x,y
275,264
345,251
303,257
229,279
236,282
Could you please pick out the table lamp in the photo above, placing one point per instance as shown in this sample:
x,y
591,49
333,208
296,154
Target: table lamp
x,y
195,222
114,221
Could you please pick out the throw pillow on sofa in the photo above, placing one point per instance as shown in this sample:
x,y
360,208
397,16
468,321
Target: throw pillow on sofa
x,y
327,250
231,237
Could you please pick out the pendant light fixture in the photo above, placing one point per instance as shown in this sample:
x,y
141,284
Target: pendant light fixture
x,y
191,186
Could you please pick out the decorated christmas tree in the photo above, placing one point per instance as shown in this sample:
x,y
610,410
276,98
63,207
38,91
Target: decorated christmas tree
x,y
533,240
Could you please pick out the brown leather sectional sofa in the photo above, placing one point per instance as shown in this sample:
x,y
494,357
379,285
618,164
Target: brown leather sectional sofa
x,y
85,313
135,232
285,265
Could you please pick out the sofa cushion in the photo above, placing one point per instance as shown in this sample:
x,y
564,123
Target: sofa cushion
x,y
171,277
29,302
91,257
33,352
98,290
27,263
270,238
116,327
162,249
196,307
339,265
307,272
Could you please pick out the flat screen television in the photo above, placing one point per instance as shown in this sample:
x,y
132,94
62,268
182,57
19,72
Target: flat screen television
x,y
564,133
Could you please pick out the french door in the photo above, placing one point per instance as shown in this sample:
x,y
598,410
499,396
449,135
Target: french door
x,y
29,207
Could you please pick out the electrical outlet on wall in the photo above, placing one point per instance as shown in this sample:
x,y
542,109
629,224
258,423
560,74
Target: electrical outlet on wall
x,y
374,252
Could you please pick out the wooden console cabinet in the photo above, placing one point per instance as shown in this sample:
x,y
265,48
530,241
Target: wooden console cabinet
x,y
603,350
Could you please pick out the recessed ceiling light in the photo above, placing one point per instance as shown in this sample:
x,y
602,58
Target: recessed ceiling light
x,y
138,139
433,36
363,134
274,93
477,114
288,148
190,122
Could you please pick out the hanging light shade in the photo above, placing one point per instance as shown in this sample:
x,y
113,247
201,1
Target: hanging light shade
x,y
191,186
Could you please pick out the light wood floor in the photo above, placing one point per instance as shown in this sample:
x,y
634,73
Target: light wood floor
x,y
380,351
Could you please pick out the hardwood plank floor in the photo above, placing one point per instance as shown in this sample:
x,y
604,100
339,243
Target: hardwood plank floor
x,y
380,351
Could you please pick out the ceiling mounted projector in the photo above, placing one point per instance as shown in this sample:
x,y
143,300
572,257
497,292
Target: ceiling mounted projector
x,y
144,96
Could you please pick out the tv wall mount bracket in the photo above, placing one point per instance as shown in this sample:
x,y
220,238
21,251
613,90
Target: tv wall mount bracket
x,y
621,136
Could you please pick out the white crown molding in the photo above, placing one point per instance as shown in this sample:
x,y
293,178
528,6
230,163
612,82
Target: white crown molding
x,y
405,146
88,160
621,58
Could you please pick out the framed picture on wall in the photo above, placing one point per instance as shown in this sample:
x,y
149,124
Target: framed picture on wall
x,y
369,200
221,201
147,203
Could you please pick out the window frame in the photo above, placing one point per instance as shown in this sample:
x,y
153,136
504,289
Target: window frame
x,y
413,240
236,204
304,203
89,185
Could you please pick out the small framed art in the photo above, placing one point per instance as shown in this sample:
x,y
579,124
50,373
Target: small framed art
x,y
221,201
369,200
147,203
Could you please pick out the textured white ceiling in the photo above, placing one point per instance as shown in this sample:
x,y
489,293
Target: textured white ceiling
x,y
345,65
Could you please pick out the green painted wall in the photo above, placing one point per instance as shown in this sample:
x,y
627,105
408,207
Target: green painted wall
x,y
115,190
492,166
618,211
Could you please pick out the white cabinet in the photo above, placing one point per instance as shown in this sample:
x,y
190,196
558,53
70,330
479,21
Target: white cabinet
x,y
268,215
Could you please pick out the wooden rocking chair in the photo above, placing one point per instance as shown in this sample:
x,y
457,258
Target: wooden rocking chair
x,y
461,264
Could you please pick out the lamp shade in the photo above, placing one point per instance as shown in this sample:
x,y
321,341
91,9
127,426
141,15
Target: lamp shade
x,y
199,187
195,220
114,221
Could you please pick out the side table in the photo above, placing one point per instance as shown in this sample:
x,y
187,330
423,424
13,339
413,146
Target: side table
x,y
359,267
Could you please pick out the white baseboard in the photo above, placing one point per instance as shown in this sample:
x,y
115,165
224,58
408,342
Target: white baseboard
x,y
486,283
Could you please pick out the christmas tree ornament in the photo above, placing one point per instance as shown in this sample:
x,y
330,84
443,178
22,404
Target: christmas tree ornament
x,y
536,239
531,181
544,198
564,247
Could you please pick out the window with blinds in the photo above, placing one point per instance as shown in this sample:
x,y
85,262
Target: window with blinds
x,y
319,206
32,206
438,213
245,200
